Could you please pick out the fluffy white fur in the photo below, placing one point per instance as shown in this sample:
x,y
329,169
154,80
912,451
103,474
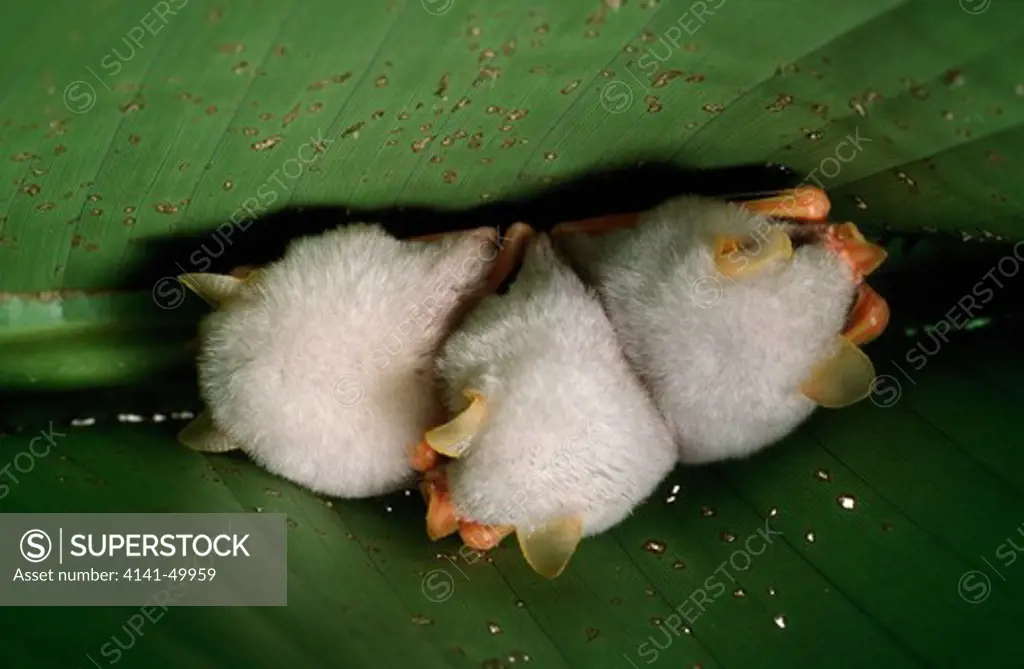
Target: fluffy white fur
x,y
723,358
570,430
322,370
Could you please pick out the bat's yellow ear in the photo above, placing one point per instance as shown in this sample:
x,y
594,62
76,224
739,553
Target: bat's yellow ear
x,y
549,548
842,379
217,289
737,256
454,437
202,435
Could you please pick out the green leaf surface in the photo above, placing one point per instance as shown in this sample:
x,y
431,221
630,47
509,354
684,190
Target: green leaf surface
x,y
847,541
134,126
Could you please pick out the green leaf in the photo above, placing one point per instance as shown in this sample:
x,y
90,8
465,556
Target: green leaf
x,y
126,127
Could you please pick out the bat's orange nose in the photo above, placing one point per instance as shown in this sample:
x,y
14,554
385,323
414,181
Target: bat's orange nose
x,y
804,203
862,256
868,318
441,518
482,537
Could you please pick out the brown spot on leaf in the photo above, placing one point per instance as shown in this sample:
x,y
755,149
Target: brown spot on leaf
x,y
486,74
57,127
663,79
268,143
953,78
352,130
442,87
335,79
780,103
292,114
